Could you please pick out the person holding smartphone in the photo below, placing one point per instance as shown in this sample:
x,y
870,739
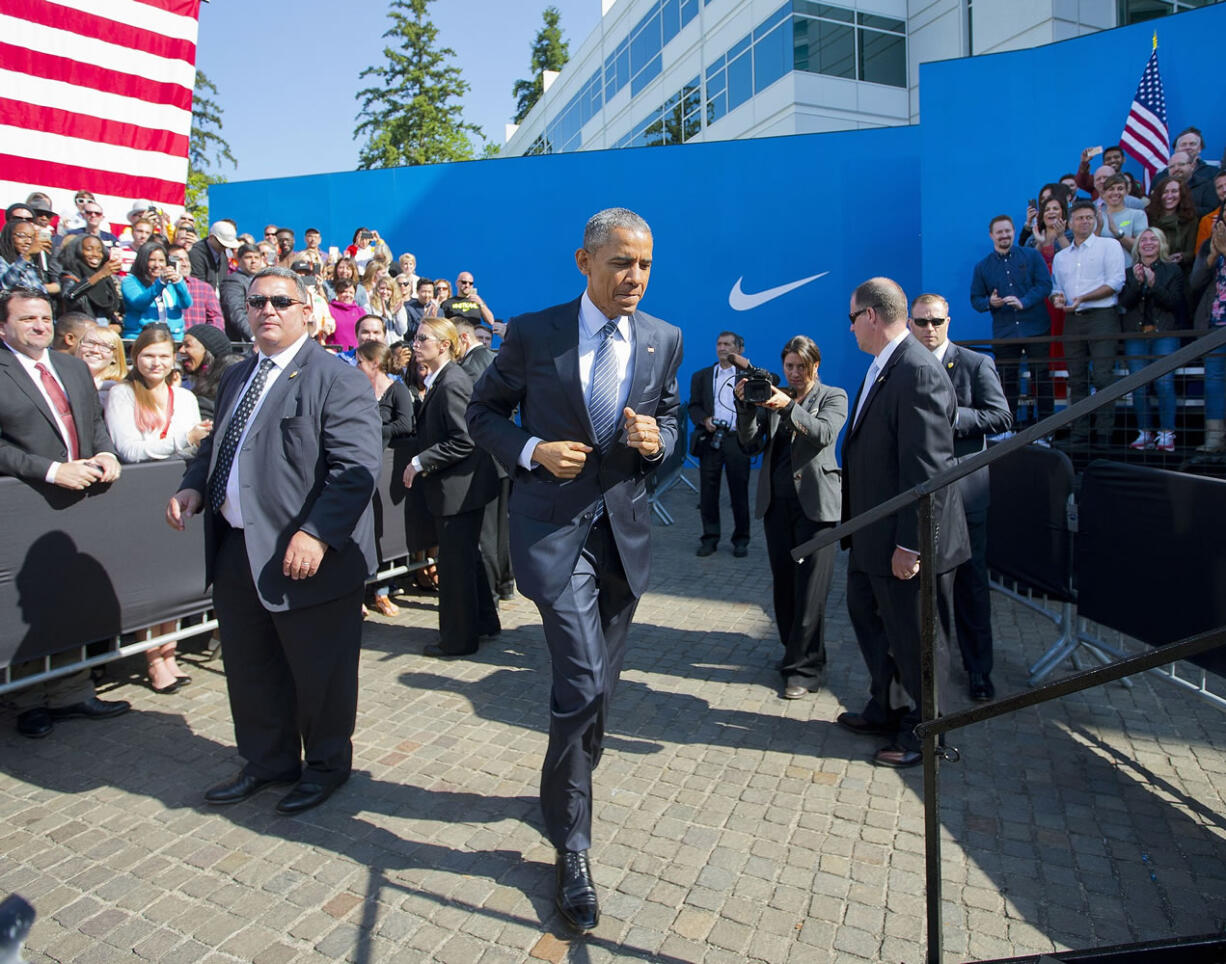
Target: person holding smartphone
x,y
154,292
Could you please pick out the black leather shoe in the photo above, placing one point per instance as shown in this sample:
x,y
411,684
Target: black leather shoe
x,y
740,551
897,757
435,650
90,709
706,549
35,723
981,688
305,796
576,893
858,724
240,788
491,631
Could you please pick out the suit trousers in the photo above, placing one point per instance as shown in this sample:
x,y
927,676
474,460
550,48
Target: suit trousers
x,y
731,459
585,630
800,591
495,542
465,603
885,614
1038,362
292,676
1091,361
973,599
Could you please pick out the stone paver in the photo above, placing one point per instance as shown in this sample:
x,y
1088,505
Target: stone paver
x,y
731,825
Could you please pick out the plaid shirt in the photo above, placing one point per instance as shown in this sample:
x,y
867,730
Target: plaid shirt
x,y
20,274
205,309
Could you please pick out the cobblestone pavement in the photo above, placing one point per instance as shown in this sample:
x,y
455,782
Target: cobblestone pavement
x,y
731,825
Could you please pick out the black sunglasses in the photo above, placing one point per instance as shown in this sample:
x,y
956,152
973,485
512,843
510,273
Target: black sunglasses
x,y
856,314
280,302
925,322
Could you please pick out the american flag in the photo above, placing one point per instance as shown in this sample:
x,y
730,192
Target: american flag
x,y
97,95
1146,136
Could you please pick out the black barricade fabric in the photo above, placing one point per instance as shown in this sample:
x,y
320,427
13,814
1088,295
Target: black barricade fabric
x,y
81,567
1028,537
1151,554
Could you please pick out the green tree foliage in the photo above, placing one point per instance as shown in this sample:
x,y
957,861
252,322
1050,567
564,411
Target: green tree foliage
x,y
412,114
549,52
206,148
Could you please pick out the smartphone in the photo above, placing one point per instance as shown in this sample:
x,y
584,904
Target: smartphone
x,y
1034,203
1095,151
333,252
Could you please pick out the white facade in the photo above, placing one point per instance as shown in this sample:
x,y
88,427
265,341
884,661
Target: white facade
x,y
671,71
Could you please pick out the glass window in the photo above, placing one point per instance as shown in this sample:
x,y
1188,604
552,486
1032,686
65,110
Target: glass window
x,y
645,76
740,80
772,57
777,17
689,10
823,10
644,43
717,107
883,58
881,23
821,47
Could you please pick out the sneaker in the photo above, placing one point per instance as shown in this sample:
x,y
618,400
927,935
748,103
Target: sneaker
x,y
1165,442
1145,440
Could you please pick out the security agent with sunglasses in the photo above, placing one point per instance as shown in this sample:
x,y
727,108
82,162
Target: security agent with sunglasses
x,y
982,411
284,484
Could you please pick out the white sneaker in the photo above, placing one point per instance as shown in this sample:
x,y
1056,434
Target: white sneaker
x,y
1165,442
1145,440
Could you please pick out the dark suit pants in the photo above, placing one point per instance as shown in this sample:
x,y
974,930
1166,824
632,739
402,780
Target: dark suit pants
x,y
585,629
800,590
735,463
885,614
1038,361
496,542
1092,361
292,676
465,603
973,600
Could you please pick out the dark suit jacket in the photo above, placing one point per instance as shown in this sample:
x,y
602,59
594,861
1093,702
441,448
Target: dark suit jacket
x,y
816,422
982,411
537,368
475,363
233,296
456,476
903,438
29,438
203,265
310,461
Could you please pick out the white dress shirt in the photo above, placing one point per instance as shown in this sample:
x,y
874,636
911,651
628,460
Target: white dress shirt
x,y
875,369
722,380
429,382
231,509
134,445
591,321
28,364
1080,268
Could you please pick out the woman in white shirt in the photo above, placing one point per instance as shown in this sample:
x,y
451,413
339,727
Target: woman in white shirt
x,y
151,419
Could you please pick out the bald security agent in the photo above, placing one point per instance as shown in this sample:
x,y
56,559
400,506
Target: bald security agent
x,y
285,484
596,382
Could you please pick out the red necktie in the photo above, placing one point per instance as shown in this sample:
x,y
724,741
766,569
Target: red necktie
x,y
60,401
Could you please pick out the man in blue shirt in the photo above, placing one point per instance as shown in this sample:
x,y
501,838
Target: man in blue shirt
x,y
1013,284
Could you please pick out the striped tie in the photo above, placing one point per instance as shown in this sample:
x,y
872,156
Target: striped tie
x,y
602,402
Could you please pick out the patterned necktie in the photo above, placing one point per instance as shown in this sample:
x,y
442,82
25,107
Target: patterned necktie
x,y
602,401
234,432
62,408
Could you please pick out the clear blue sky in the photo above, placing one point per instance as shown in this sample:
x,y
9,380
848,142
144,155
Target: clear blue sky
x,y
287,72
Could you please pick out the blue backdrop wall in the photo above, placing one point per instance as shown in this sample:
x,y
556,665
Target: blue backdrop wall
x,y
845,205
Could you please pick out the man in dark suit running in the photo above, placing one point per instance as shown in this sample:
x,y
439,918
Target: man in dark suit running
x,y
285,484
982,411
900,434
596,382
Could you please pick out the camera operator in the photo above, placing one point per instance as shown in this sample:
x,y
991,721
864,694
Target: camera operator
x,y
799,493
713,412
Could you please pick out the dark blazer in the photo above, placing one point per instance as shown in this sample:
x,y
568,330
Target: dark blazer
x,y
397,412
475,363
310,461
1155,306
233,297
204,267
455,477
903,438
702,397
29,438
982,411
537,368
816,421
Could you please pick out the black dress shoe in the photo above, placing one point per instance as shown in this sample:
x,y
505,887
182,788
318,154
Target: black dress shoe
x,y
305,796
437,651
491,631
706,549
576,893
740,551
240,788
858,724
981,688
35,723
183,680
165,690
90,709
897,757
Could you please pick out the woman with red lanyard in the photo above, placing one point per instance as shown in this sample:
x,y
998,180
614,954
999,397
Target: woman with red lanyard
x,y
152,419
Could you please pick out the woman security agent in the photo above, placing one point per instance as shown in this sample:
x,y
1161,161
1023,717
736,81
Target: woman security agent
x,y
149,419
1152,297
457,483
799,493
154,293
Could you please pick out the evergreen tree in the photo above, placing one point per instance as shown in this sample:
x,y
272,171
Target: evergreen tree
x,y
412,114
549,52
206,148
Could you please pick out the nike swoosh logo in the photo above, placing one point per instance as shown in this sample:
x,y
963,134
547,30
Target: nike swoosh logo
x,y
739,301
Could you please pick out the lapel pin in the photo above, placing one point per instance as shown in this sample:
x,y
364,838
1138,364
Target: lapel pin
x,y
294,373
650,350
949,364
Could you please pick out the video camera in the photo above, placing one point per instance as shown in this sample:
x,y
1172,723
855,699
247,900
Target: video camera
x,y
759,385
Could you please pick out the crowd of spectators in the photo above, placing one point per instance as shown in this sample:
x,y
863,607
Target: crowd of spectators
x,y
1099,264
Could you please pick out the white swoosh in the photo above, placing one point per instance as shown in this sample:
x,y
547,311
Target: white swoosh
x,y
739,301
